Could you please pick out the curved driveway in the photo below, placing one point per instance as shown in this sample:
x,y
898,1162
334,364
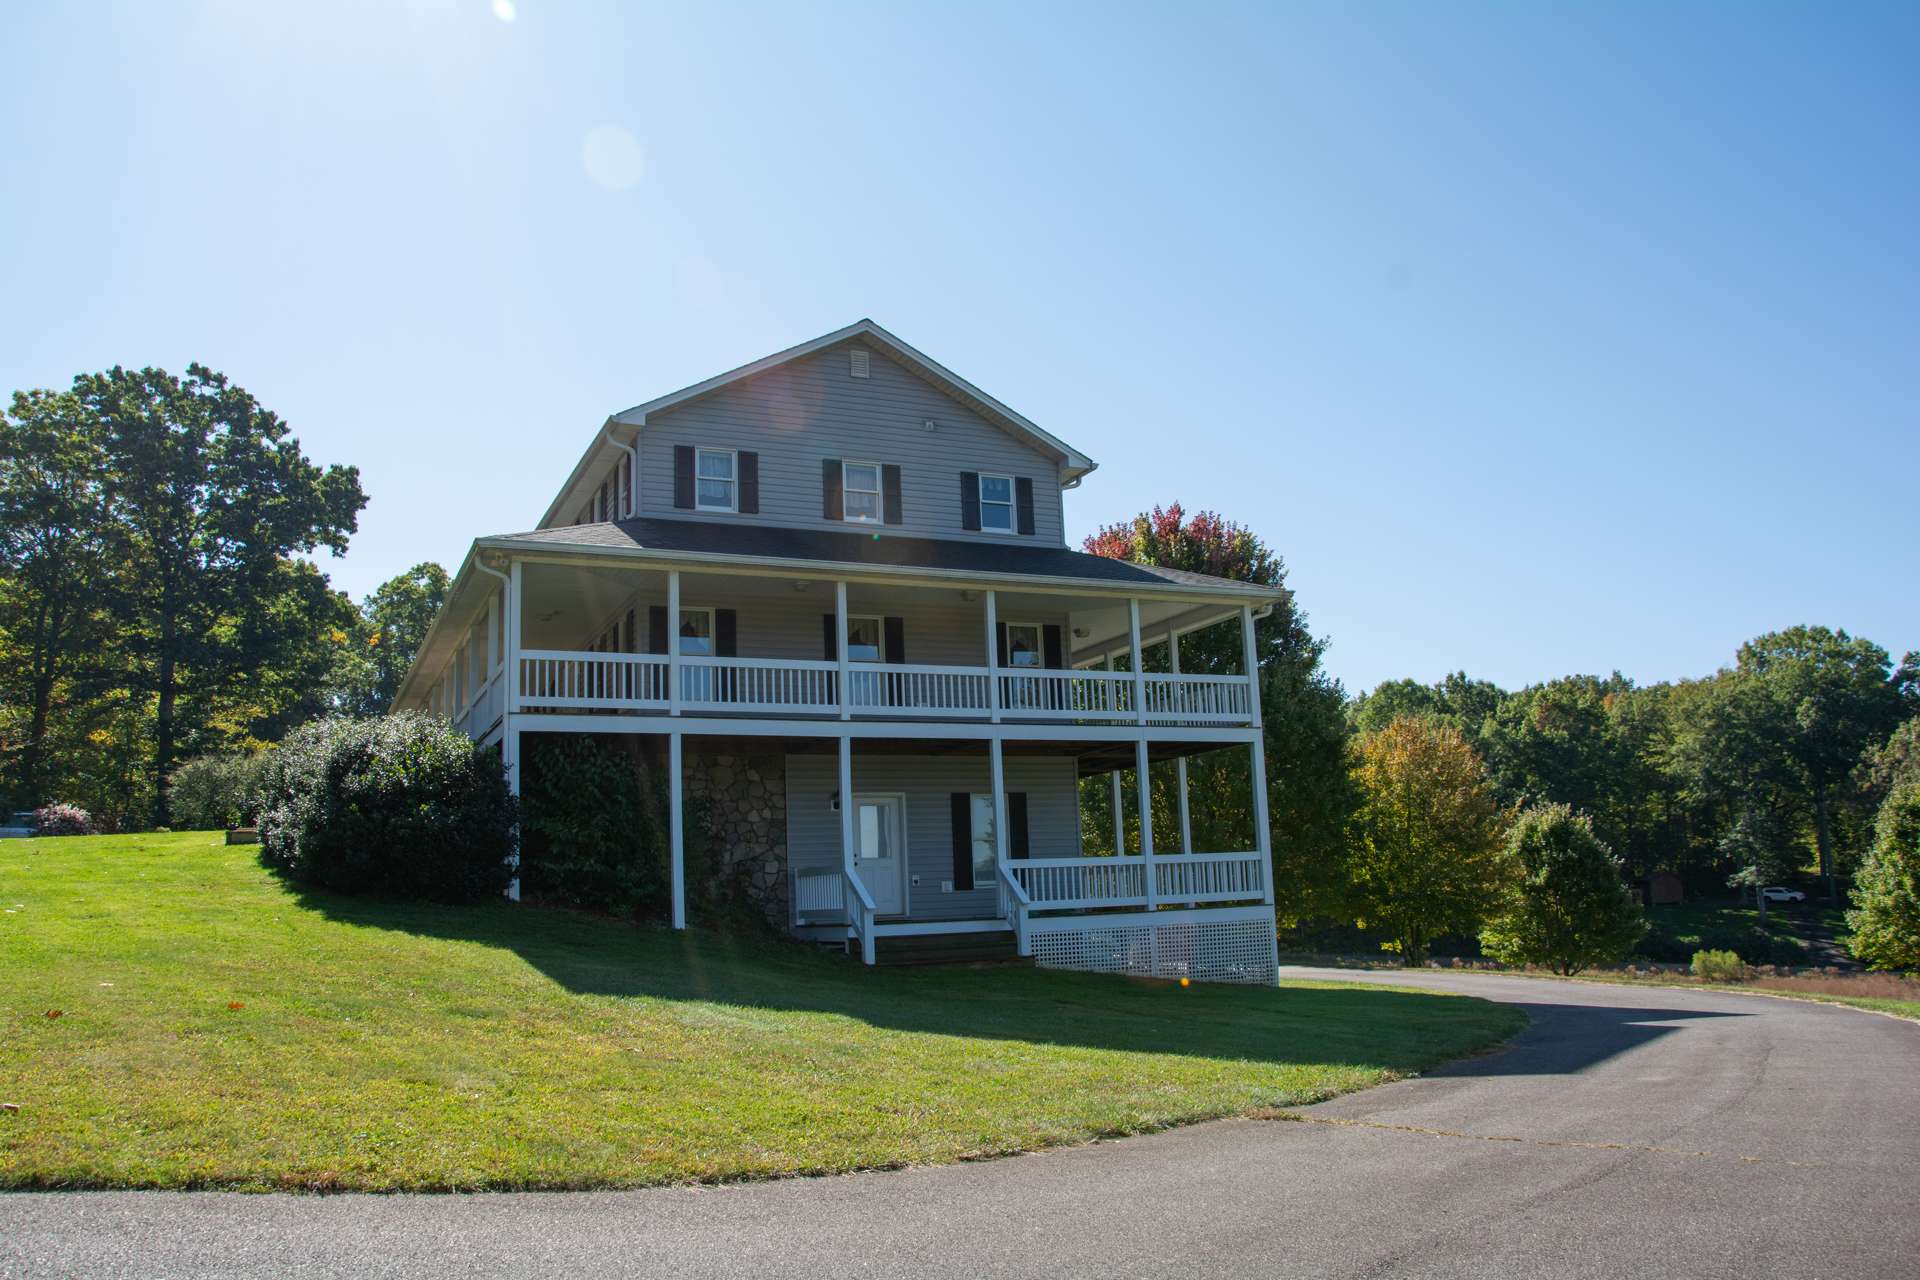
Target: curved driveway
x,y
1627,1132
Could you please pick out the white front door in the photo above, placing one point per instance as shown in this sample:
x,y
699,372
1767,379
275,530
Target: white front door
x,y
879,832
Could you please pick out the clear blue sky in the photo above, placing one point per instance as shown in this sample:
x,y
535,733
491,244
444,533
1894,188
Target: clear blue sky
x,y
1537,338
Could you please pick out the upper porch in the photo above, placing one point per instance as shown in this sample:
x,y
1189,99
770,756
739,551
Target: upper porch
x,y
574,635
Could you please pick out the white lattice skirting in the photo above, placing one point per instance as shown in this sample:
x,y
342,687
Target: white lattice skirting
x,y
1227,945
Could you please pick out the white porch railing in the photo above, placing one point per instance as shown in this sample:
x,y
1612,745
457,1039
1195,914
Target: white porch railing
x,y
486,707
860,912
911,690
1016,908
1211,699
1209,877
1067,695
1064,883
758,684
563,678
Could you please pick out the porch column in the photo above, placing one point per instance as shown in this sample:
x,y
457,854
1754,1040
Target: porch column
x,y
1250,662
1143,784
1139,669
494,647
677,825
510,760
849,846
993,658
840,647
673,651
1119,819
512,608
1180,764
997,768
1262,837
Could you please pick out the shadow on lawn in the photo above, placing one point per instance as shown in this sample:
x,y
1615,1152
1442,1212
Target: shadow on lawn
x,y
1350,1026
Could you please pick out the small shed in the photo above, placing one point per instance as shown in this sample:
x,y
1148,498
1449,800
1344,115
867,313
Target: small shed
x,y
1664,889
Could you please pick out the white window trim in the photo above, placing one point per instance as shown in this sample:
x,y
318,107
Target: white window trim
x,y
879,492
993,854
1039,645
1012,506
879,629
733,479
713,636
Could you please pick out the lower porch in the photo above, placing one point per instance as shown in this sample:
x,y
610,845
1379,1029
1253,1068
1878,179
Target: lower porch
x,y
889,843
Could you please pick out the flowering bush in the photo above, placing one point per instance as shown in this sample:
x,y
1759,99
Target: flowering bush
x,y
1718,966
63,820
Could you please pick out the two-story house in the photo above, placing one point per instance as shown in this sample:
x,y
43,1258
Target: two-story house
x,y
831,590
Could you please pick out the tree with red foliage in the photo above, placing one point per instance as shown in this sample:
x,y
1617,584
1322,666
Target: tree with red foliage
x,y
1309,793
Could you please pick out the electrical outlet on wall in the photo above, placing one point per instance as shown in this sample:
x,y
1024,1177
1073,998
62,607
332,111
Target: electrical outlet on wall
x,y
916,882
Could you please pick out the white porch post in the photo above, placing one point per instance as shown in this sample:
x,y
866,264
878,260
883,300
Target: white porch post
x,y
1119,812
512,606
1257,749
1186,817
840,647
494,646
997,767
1139,668
677,825
849,849
993,658
1143,784
510,760
673,646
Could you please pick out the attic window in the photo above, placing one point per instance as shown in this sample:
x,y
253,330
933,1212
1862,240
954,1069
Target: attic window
x,y
859,356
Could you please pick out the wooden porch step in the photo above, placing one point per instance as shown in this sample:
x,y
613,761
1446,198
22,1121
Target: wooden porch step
x,y
946,948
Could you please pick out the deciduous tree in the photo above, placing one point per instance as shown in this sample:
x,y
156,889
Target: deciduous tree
x,y
1426,854
1885,918
1568,907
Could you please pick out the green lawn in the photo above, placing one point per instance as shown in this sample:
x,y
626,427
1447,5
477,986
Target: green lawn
x,y
218,1029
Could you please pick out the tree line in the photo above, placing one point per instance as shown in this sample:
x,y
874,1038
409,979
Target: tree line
x,y
158,600
1784,760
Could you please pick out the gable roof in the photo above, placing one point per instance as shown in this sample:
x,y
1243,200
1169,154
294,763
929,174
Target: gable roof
x,y
1073,463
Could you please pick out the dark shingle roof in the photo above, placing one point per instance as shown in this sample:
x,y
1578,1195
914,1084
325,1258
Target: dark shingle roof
x,y
703,537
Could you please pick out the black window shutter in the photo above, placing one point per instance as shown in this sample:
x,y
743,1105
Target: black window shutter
x,y
830,632
633,634
970,500
962,840
749,481
890,510
896,640
1017,825
1050,642
656,628
830,489
683,476
725,633
1002,628
1023,503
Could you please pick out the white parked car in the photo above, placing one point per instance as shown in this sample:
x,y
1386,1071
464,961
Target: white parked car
x,y
1777,894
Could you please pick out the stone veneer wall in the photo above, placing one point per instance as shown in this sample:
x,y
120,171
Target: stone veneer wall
x,y
745,797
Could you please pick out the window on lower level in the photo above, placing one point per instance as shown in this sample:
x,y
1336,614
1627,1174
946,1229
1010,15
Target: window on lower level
x,y
866,642
981,805
1023,644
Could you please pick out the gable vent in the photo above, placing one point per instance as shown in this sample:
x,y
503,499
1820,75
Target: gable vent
x,y
859,355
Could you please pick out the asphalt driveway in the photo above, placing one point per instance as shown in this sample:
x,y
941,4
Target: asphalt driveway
x,y
1627,1132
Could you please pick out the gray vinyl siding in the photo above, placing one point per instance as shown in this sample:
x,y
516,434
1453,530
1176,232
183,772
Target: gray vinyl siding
x,y
797,414
813,829
789,625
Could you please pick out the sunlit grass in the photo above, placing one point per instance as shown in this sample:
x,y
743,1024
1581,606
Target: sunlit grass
x,y
218,1029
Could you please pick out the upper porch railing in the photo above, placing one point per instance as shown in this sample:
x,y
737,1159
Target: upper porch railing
x,y
563,679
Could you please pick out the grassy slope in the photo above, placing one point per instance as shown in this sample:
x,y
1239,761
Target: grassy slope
x,y
387,1046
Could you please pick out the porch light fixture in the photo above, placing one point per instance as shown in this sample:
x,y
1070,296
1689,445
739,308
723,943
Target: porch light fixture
x,y
967,596
801,584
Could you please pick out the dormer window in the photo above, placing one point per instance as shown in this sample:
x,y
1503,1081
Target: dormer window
x,y
996,504
860,485
715,480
